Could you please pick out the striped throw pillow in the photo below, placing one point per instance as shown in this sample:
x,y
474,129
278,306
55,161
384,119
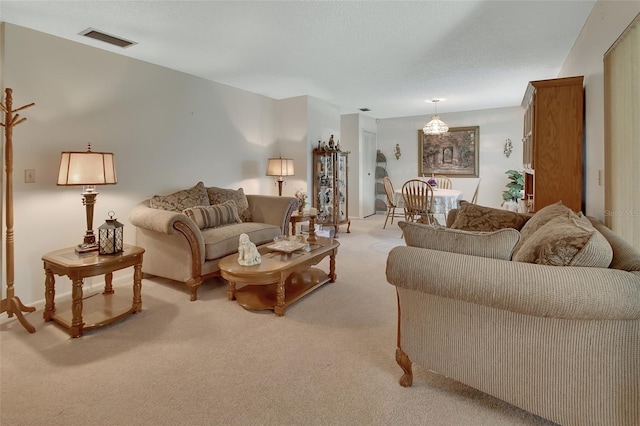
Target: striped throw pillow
x,y
213,216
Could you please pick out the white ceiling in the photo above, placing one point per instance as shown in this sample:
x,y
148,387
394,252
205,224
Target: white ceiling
x,y
389,56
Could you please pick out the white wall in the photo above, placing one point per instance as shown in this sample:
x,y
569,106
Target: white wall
x,y
291,116
496,125
352,126
607,21
168,130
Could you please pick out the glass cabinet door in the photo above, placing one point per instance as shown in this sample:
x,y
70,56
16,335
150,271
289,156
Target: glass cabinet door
x,y
341,187
330,190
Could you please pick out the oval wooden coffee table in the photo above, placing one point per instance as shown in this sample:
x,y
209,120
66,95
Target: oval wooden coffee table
x,y
281,278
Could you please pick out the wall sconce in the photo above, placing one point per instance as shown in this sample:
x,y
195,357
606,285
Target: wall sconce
x,y
508,147
396,151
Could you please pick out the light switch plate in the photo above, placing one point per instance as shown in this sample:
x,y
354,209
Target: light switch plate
x,y
29,176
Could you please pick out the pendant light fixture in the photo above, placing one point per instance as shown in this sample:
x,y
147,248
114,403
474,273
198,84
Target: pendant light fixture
x,y
435,126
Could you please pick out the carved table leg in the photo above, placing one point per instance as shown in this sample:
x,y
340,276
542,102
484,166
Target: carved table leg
x,y
108,286
76,308
137,287
49,294
279,308
332,267
405,363
231,291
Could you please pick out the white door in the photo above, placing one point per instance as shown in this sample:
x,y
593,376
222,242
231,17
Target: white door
x,y
369,148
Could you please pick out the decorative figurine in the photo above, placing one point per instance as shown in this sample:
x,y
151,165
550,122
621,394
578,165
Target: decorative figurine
x,y
331,143
247,252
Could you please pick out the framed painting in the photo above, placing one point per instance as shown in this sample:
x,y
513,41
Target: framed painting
x,y
454,154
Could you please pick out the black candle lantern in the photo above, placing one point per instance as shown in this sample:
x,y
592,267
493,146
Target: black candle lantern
x,y
110,236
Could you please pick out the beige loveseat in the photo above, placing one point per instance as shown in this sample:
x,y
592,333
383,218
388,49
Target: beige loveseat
x,y
562,342
185,234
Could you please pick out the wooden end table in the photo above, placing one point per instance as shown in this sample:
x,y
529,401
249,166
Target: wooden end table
x,y
281,278
298,217
99,310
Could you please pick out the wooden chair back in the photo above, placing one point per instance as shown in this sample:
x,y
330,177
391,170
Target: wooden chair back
x,y
418,201
443,182
388,189
391,203
474,200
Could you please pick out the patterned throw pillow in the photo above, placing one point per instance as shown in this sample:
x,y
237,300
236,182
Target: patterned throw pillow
x,y
178,201
220,195
541,217
496,245
566,240
473,217
214,216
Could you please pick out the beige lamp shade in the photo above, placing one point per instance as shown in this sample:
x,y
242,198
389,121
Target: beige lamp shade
x,y
87,168
280,167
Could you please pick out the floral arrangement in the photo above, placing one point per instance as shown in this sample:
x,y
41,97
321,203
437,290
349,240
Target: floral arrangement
x,y
302,198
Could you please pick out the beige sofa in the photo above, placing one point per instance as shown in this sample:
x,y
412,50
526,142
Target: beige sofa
x,y
562,342
185,234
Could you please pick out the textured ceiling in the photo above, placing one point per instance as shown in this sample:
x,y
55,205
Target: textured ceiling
x,y
389,56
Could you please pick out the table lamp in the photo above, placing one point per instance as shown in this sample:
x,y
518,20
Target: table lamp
x,y
88,169
281,168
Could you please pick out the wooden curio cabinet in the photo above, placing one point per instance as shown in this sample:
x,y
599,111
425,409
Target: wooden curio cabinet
x,y
552,142
330,187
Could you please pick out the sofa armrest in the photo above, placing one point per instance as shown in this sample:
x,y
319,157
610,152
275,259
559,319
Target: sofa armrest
x,y
564,292
157,220
168,222
272,210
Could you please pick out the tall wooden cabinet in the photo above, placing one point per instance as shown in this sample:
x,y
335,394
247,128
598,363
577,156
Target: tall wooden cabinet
x,y
330,187
552,142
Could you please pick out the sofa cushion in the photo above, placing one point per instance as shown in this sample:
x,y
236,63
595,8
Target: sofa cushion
x,y
566,240
541,217
473,217
178,201
497,244
213,216
224,240
220,195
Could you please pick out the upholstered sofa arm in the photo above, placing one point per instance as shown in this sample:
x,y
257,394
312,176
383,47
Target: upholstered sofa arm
x,y
158,220
171,223
272,210
563,292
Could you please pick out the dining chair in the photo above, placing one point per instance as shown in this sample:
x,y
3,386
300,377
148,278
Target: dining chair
x,y
418,201
474,200
391,203
443,182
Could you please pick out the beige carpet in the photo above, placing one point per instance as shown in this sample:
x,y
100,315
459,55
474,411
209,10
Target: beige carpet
x,y
329,361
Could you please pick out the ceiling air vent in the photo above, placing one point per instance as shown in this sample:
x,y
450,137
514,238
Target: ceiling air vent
x,y
99,35
364,109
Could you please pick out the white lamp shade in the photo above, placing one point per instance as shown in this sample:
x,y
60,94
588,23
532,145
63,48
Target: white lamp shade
x,y
87,168
435,126
280,167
